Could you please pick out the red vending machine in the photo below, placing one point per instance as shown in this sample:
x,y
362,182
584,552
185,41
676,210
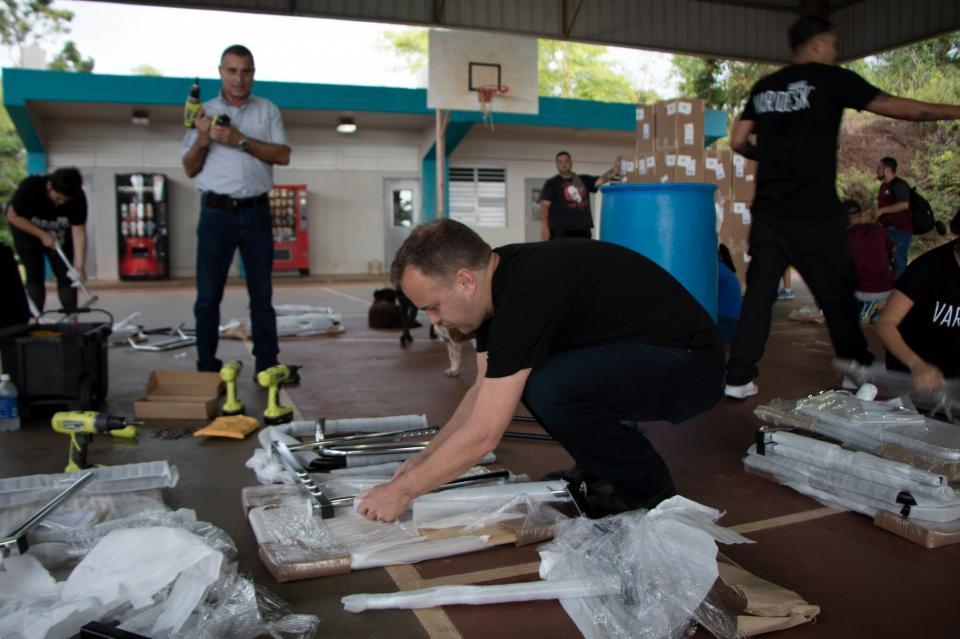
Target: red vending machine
x,y
142,232
288,209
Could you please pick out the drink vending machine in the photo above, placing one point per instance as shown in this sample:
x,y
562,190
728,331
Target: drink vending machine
x,y
142,231
288,211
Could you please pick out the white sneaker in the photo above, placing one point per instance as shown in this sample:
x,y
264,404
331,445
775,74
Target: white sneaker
x,y
742,391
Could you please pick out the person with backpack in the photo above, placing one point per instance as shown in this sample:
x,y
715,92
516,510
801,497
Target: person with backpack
x,y
893,211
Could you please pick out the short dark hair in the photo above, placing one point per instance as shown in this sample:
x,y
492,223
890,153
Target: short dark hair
x,y
851,207
557,156
238,50
67,182
439,249
806,29
890,163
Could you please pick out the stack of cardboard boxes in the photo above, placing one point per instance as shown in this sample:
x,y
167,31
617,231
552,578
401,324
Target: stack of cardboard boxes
x,y
670,148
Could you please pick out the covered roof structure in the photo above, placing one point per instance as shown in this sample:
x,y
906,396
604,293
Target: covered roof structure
x,y
742,29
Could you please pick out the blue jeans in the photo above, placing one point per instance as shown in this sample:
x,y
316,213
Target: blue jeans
x,y
219,234
901,240
582,397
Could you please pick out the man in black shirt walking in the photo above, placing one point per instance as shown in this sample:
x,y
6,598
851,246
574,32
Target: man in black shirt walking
x,y
586,334
565,201
797,218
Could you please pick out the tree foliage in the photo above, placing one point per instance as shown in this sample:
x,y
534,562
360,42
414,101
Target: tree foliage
x,y
146,69
565,69
69,59
27,22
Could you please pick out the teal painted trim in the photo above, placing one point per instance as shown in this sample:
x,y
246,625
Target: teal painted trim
x,y
36,162
23,85
428,174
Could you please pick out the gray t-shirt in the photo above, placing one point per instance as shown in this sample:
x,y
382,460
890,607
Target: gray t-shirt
x,y
228,170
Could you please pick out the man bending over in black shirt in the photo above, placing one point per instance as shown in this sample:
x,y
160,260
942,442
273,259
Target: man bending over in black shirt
x,y
585,334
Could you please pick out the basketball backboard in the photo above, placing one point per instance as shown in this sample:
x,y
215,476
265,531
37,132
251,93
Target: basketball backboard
x,y
462,63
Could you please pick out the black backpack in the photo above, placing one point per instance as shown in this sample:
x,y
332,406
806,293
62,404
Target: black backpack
x,y
921,213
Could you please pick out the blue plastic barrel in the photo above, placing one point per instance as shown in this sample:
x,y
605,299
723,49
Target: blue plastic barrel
x,y
674,224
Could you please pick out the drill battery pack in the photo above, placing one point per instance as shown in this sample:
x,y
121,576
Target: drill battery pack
x,y
61,365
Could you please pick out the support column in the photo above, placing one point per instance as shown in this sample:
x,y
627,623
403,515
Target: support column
x,y
442,119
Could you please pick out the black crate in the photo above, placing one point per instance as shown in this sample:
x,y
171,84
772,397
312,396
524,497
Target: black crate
x,y
67,368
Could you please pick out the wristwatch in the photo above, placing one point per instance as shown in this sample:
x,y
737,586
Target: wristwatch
x,y
243,144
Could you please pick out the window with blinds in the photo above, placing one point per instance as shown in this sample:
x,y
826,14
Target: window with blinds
x,y
478,196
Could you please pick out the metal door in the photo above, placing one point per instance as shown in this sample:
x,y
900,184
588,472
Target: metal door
x,y
531,190
401,200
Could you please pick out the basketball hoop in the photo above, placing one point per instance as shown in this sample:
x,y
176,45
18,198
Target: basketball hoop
x,y
485,95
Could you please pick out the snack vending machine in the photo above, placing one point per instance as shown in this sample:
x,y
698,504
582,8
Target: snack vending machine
x,y
288,211
142,233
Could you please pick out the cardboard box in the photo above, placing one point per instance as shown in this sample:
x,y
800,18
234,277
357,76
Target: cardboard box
x,y
718,170
744,178
180,395
679,165
929,534
646,129
679,124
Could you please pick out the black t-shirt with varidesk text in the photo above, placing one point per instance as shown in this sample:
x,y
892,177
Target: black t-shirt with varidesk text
x,y
569,202
797,111
31,201
932,326
564,294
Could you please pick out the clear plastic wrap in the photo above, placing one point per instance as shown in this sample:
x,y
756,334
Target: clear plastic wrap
x,y
469,501
60,546
639,575
897,383
107,480
172,577
929,444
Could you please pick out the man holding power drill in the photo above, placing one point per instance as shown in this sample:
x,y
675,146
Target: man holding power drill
x,y
233,160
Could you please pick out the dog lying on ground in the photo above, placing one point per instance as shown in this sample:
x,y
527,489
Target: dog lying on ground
x,y
392,309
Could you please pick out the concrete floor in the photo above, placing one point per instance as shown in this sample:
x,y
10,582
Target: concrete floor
x,y
867,581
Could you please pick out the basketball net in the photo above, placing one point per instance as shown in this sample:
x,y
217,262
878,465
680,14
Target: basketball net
x,y
485,95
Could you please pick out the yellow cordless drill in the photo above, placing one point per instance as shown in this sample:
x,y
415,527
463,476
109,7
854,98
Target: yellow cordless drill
x,y
81,426
271,379
229,374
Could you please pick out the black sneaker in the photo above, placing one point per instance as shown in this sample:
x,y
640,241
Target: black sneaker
x,y
573,475
602,498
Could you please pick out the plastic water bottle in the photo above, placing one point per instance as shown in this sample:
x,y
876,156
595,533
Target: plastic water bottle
x,y
9,411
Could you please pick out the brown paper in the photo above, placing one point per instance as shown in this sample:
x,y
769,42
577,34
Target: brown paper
x,y
285,568
758,605
927,533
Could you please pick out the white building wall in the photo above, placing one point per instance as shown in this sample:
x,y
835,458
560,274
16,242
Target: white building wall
x,y
344,177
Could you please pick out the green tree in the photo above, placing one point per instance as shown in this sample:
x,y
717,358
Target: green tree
x,y
565,69
69,59
723,84
146,69
410,45
12,167
27,22
928,71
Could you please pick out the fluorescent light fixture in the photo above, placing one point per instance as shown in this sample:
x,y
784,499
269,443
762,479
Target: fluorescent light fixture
x,y
140,117
346,125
